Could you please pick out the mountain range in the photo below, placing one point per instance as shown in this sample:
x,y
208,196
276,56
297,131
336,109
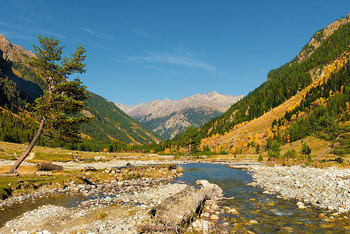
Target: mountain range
x,y
170,117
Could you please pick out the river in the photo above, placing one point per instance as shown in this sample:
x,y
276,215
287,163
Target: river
x,y
271,213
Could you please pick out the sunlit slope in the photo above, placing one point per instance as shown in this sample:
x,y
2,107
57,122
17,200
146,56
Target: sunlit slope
x,y
252,120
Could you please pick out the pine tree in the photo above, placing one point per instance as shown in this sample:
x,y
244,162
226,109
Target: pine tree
x,y
63,100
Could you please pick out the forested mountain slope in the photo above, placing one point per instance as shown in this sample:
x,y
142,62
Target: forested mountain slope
x,y
307,96
19,86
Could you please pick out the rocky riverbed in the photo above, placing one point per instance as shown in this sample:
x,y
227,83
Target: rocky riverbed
x,y
123,206
123,213
326,188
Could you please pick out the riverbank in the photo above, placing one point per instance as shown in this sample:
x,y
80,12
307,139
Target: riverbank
x,y
123,213
110,199
86,182
119,200
327,188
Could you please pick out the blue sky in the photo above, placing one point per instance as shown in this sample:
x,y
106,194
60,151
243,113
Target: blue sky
x,y
148,49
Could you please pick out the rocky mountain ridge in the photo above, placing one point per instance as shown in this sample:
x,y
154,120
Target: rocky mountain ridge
x,y
321,36
170,117
12,51
160,108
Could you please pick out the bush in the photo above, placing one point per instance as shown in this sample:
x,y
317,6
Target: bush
x,y
260,158
290,154
305,150
275,150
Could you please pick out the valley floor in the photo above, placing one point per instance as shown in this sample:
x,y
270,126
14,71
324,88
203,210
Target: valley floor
x,y
118,200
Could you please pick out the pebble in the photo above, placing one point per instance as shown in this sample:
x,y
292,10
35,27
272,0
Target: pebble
x,y
253,222
201,225
232,211
300,205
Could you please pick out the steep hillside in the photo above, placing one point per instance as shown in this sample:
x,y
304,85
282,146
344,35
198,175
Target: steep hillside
x,y
112,123
307,96
170,117
19,86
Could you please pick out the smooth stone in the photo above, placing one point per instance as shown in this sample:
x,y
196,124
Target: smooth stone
x,y
253,222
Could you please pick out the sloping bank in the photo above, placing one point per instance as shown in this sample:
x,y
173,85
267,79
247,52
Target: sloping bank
x,y
326,188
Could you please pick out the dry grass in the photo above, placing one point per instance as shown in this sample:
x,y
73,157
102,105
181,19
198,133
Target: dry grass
x,y
21,169
259,125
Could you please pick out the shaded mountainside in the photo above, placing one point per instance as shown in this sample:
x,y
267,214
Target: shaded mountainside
x,y
20,86
170,117
309,96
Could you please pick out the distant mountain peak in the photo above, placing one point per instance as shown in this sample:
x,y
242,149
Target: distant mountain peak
x,y
169,117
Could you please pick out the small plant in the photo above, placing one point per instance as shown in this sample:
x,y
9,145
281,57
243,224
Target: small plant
x,y
260,158
179,169
257,150
101,215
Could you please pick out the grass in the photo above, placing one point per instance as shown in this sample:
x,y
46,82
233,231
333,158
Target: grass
x,y
25,184
52,157
11,151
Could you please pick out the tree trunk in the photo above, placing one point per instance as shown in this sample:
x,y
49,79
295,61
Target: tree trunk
x,y
178,210
29,148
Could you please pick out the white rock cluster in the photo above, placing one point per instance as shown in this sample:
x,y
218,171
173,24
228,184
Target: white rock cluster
x,y
326,188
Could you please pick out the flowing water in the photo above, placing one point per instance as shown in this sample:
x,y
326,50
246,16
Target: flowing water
x,y
272,214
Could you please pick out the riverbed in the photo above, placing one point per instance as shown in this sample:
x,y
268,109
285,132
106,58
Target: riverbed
x,y
256,210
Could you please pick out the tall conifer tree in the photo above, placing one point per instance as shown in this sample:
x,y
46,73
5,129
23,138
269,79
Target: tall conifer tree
x,y
64,99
